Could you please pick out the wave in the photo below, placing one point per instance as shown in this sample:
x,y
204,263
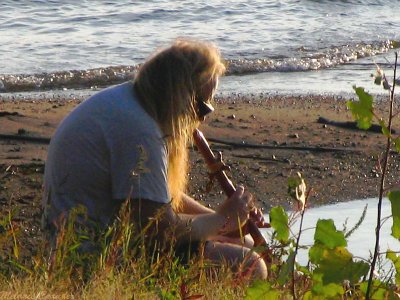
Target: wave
x,y
73,79
307,60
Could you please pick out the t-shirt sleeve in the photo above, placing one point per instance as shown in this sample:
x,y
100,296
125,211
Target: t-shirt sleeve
x,y
139,167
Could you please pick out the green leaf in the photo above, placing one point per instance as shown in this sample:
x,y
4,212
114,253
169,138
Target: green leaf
x,y
166,295
362,109
329,291
279,221
261,290
337,271
396,142
378,290
378,80
286,269
336,265
327,234
316,253
293,183
339,256
394,198
310,296
396,263
21,267
297,189
386,85
385,130
319,291
304,269
333,261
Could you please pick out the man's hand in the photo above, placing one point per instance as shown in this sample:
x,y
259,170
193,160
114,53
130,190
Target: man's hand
x,y
236,209
257,216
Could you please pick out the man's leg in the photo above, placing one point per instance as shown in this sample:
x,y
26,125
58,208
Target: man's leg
x,y
235,255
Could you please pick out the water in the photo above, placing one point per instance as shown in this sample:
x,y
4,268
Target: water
x,y
362,242
300,46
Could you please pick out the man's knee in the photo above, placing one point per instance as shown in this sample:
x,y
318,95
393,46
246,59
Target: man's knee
x,y
238,257
258,266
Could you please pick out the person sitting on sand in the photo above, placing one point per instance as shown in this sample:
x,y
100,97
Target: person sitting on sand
x,y
131,141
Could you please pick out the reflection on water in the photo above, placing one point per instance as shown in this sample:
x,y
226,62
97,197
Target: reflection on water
x,y
362,242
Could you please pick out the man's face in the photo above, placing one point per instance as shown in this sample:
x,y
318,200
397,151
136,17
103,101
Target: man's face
x,y
215,83
207,94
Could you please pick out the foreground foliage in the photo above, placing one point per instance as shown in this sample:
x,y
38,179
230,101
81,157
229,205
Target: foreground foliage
x,y
122,269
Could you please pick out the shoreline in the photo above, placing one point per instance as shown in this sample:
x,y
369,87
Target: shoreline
x,y
330,82
65,95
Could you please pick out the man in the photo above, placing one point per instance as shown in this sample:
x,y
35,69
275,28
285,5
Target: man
x,y
131,142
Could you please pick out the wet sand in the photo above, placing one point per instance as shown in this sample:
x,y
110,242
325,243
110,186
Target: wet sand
x,y
264,141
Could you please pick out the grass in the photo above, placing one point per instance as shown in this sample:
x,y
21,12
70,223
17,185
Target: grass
x,y
122,269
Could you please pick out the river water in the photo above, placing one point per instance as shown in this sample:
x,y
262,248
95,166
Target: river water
x,y
362,242
288,46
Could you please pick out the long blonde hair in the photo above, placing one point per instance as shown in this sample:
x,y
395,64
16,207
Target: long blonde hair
x,y
168,85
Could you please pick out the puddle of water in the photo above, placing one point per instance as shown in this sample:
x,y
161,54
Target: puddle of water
x,y
362,242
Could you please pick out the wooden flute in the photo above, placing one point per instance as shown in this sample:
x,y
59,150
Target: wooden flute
x,y
215,165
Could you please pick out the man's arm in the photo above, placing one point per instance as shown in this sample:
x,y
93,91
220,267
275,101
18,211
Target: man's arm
x,y
197,227
187,227
193,207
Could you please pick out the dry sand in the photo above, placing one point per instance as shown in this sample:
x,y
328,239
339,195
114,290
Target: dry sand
x,y
346,170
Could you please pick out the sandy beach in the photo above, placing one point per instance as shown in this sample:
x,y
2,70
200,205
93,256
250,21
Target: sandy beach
x,y
264,141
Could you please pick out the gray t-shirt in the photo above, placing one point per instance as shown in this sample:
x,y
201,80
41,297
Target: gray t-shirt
x,y
95,151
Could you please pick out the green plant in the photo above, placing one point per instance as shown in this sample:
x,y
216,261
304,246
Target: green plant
x,y
332,271
363,111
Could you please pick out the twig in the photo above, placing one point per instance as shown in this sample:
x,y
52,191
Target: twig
x,y
382,184
297,244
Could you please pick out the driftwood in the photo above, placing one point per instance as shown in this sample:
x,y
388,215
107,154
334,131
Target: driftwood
x,y
351,125
282,147
261,158
7,113
46,140
25,138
